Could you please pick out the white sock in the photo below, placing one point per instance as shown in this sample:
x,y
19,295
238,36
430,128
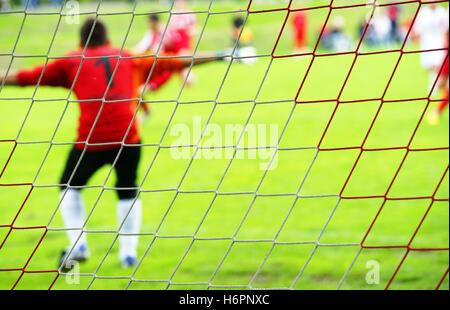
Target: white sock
x,y
72,211
132,225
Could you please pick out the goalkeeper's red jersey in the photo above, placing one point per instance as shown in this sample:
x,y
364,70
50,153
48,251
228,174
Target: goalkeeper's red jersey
x,y
102,125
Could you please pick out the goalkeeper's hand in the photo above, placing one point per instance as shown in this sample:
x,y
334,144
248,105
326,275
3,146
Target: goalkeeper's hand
x,y
246,55
10,79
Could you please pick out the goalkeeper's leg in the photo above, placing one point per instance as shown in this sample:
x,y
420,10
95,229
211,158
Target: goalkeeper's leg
x,y
129,209
73,213
72,207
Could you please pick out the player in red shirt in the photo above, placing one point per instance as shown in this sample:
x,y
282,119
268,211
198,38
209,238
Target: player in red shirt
x,y
443,84
185,23
167,41
106,82
170,39
300,24
436,113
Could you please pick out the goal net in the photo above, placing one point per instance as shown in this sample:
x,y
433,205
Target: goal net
x,y
313,155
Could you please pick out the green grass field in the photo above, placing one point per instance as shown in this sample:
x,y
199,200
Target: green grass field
x,y
317,207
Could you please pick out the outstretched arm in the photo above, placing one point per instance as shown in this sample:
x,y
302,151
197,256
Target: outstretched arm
x,y
52,73
10,79
203,58
146,64
172,62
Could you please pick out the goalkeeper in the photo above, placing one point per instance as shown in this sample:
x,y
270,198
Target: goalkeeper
x,y
106,82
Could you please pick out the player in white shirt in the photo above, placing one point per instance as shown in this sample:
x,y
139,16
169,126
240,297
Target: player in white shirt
x,y
431,27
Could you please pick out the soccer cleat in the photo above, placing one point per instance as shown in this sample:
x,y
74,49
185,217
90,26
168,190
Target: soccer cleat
x,y
129,261
77,256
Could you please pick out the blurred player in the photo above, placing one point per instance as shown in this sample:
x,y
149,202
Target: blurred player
x,y
153,41
30,3
185,23
107,130
335,38
394,16
378,31
243,36
300,25
5,5
243,39
443,84
383,27
431,27
404,29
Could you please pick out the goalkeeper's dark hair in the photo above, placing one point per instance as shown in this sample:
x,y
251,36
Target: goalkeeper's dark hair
x,y
99,34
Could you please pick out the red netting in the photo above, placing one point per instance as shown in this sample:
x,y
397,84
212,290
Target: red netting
x,y
361,147
314,54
